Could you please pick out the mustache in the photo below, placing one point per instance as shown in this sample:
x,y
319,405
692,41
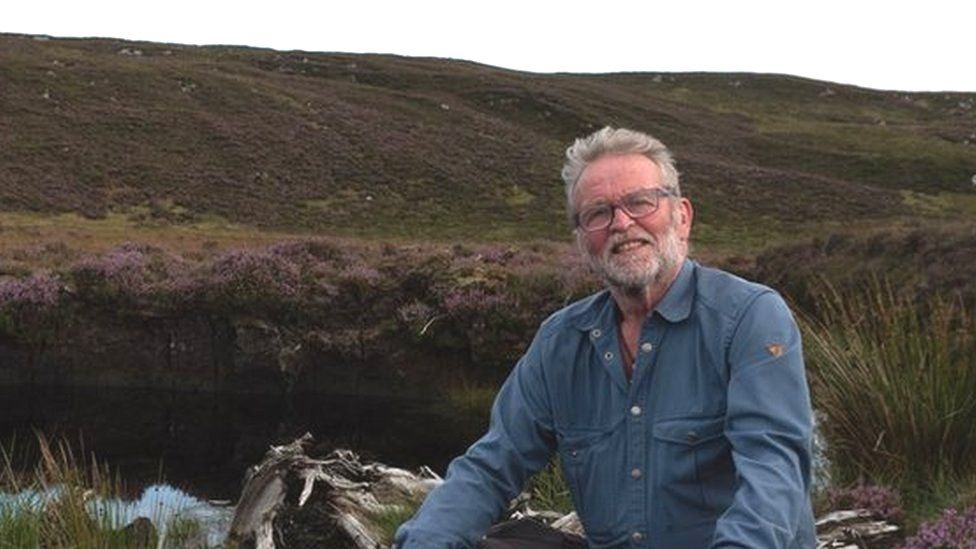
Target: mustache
x,y
616,240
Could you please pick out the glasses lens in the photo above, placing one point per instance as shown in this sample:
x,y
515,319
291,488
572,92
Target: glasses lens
x,y
595,218
641,203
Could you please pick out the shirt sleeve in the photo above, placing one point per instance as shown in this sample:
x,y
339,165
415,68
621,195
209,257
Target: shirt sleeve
x,y
480,484
769,426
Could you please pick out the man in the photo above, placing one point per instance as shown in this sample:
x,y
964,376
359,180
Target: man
x,y
676,399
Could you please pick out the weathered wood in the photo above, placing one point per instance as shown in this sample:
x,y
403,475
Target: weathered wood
x,y
855,529
293,500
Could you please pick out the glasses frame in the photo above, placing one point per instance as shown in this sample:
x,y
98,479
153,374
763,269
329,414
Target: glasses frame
x,y
657,192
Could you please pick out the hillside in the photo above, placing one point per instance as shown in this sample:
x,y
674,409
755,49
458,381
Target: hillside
x,y
383,146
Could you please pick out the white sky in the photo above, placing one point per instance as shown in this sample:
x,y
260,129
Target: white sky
x,y
920,45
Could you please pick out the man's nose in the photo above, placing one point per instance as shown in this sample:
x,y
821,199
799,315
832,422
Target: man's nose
x,y
620,220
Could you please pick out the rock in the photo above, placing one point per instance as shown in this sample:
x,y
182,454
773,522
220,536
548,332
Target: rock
x,y
140,534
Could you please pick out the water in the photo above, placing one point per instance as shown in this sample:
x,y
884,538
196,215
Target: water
x,y
202,443
185,454
160,503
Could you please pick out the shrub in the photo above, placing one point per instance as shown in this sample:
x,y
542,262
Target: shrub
x,y
881,501
251,282
30,310
952,529
131,276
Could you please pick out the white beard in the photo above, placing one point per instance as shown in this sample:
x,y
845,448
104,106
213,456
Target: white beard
x,y
635,271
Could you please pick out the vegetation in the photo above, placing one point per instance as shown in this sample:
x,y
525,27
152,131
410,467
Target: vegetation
x,y
162,138
548,489
389,520
159,182
894,381
470,305
64,504
953,528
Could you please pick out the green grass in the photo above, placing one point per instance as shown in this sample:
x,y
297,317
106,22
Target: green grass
x,y
943,204
896,384
391,517
549,491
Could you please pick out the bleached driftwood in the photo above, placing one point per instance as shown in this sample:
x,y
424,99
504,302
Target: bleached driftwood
x,y
293,500
855,529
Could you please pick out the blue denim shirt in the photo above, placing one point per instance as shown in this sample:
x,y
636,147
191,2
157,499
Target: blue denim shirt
x,y
708,445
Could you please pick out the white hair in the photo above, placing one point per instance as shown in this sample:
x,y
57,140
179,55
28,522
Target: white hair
x,y
616,141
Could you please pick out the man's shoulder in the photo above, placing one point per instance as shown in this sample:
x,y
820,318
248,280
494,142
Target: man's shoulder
x,y
575,316
726,292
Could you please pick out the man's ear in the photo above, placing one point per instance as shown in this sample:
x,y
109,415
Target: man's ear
x,y
686,215
579,237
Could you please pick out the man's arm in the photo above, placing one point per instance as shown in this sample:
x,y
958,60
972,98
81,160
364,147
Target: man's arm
x,y
769,425
479,485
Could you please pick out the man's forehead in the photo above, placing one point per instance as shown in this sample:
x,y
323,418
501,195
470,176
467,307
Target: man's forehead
x,y
622,173
617,166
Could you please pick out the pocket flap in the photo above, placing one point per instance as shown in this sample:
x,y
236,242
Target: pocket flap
x,y
690,431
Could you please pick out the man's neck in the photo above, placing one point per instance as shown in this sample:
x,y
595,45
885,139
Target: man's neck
x,y
636,304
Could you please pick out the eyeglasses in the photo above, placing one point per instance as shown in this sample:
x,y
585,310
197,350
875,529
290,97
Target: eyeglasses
x,y
637,204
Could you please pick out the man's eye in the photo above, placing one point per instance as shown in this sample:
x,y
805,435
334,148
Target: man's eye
x,y
640,204
594,214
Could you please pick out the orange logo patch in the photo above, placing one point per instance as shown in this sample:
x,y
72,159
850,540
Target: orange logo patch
x,y
775,349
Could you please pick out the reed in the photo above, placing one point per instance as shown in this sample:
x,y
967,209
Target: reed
x,y
64,502
896,382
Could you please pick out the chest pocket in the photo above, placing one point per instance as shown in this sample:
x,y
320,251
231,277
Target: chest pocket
x,y
694,468
592,459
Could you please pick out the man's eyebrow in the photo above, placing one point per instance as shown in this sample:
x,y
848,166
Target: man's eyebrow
x,y
597,202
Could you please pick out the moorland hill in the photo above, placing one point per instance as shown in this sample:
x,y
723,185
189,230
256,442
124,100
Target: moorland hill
x,y
380,145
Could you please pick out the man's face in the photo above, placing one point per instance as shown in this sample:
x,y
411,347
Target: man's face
x,y
632,254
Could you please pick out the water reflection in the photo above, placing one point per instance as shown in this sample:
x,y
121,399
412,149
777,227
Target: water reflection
x,y
202,443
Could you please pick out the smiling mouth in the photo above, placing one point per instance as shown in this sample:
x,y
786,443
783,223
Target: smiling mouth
x,y
628,246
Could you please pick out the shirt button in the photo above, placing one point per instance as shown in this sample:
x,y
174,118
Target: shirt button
x,y
596,332
647,347
637,536
635,410
692,436
608,355
635,473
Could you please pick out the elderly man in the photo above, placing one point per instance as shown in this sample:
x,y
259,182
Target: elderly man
x,y
676,398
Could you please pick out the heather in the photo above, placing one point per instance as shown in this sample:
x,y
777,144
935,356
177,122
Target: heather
x,y
382,146
474,305
923,262
954,528
882,502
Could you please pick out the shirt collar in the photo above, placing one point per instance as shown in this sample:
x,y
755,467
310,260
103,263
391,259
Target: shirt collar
x,y
675,306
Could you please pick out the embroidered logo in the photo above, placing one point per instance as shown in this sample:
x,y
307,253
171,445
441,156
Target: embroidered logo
x,y
775,349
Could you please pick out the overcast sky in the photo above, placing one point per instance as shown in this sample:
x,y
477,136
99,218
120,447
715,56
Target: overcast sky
x,y
920,45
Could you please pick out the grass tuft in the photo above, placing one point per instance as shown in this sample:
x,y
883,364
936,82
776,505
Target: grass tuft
x,y
895,381
64,503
